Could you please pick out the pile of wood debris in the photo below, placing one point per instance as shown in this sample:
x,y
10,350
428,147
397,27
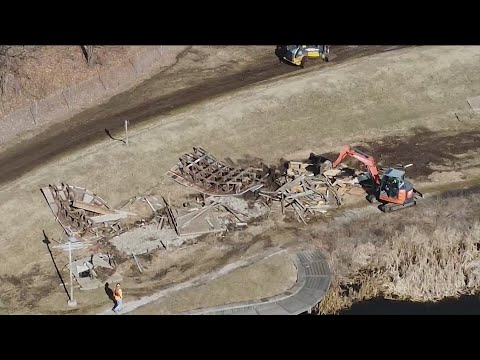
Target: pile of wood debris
x,y
313,188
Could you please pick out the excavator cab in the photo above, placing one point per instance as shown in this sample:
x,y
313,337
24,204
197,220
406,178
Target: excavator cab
x,y
300,54
395,190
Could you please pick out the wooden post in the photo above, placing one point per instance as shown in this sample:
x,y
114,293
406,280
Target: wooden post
x,y
126,132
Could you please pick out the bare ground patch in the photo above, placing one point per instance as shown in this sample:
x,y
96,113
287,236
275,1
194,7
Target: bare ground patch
x,y
425,148
266,278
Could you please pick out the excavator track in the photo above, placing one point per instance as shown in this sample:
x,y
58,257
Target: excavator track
x,y
395,207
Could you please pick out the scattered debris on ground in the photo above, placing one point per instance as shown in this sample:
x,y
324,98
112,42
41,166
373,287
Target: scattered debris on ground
x,y
312,188
237,196
214,215
94,271
230,198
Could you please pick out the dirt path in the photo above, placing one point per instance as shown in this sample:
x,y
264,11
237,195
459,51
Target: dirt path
x,y
196,77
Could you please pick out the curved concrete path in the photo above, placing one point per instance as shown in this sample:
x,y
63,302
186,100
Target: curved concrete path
x,y
313,281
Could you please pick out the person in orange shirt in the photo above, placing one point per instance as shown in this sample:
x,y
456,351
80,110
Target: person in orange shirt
x,y
118,294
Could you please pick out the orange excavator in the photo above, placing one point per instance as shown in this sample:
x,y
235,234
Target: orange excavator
x,y
391,189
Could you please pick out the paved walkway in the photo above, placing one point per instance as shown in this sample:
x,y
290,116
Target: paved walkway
x,y
313,281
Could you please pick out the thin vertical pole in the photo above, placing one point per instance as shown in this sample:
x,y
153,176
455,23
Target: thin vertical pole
x,y
71,276
126,132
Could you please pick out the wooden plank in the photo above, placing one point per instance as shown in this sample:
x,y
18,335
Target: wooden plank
x,y
331,188
210,223
150,204
125,212
290,184
203,232
61,194
298,195
92,208
108,217
160,224
136,262
48,195
170,216
87,198
267,196
332,172
298,213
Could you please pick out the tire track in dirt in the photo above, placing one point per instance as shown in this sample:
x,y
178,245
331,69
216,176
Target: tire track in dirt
x,y
89,126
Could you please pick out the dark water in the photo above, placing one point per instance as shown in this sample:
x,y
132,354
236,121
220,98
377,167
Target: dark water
x,y
465,305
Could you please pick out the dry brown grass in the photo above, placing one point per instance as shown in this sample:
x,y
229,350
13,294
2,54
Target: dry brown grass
x,y
35,72
426,254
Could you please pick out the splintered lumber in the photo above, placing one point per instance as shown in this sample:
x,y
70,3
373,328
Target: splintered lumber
x,y
298,195
109,217
290,184
332,189
92,208
267,196
332,172
298,213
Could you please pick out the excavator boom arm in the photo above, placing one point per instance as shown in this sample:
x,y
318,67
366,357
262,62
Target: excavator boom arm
x,y
368,161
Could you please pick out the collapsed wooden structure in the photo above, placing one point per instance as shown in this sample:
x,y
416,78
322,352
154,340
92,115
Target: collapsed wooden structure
x,y
83,213
202,172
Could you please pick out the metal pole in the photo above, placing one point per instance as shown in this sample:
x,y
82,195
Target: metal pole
x,y
72,301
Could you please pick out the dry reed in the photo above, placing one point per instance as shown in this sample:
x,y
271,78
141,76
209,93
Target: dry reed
x,y
424,255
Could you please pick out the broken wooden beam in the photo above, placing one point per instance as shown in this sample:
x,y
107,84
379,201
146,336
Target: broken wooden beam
x,y
298,213
299,195
92,208
171,217
290,184
150,204
332,189
108,217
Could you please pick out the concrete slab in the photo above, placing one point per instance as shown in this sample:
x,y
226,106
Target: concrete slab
x,y
271,309
294,306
